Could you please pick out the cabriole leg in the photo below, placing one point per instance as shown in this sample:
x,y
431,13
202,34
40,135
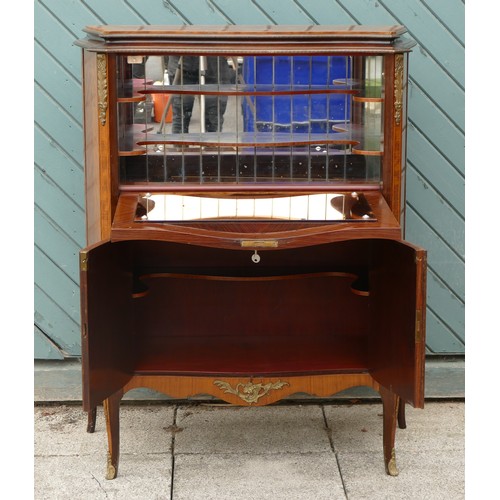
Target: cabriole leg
x,y
91,419
390,409
112,414
402,414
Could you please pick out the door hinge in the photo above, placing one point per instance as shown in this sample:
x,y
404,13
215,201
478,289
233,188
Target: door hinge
x,y
418,326
83,261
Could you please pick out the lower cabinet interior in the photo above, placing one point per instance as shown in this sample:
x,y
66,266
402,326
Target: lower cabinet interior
x,y
259,325
162,308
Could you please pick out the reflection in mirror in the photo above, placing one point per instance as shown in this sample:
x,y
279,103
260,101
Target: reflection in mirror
x,y
250,119
314,207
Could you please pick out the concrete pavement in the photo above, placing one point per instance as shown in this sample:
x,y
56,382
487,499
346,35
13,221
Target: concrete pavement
x,y
214,451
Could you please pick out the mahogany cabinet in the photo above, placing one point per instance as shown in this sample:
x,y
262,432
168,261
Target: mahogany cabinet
x,y
245,201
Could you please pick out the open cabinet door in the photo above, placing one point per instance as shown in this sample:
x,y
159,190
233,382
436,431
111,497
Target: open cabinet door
x,y
106,294
397,288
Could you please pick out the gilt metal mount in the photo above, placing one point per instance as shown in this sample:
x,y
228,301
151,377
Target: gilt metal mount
x,y
250,392
392,469
398,88
102,87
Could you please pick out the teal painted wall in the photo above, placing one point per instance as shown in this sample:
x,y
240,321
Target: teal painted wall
x,y
435,188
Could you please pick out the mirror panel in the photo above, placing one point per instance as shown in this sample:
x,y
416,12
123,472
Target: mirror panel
x,y
252,119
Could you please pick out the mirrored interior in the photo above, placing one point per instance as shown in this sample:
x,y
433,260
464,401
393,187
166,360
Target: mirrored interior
x,y
252,119
159,207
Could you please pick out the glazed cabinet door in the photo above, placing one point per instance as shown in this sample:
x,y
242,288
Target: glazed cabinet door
x,y
106,284
397,290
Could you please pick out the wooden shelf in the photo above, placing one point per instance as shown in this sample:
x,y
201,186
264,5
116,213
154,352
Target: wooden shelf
x,y
286,234
367,99
247,356
134,98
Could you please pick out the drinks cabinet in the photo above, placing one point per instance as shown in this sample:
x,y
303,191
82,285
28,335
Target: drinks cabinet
x,y
245,213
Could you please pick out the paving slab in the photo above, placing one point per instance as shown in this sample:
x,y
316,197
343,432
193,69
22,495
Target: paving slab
x,y
422,476
61,430
81,477
429,453
278,476
439,426
309,451
268,429
70,463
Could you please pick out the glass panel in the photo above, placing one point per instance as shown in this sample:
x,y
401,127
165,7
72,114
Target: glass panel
x,y
257,119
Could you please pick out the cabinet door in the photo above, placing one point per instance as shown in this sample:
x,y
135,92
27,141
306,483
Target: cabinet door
x,y
106,294
397,288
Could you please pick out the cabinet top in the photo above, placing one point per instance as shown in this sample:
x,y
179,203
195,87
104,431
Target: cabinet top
x,y
114,38
244,31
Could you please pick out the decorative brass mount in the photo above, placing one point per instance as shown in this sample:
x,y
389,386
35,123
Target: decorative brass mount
x,y
398,88
392,469
250,392
102,87
110,469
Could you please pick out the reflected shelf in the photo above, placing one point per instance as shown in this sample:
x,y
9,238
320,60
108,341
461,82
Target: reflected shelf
x,y
137,139
251,139
248,89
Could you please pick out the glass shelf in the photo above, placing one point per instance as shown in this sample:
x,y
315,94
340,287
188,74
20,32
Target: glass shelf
x,y
247,139
341,135
255,89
